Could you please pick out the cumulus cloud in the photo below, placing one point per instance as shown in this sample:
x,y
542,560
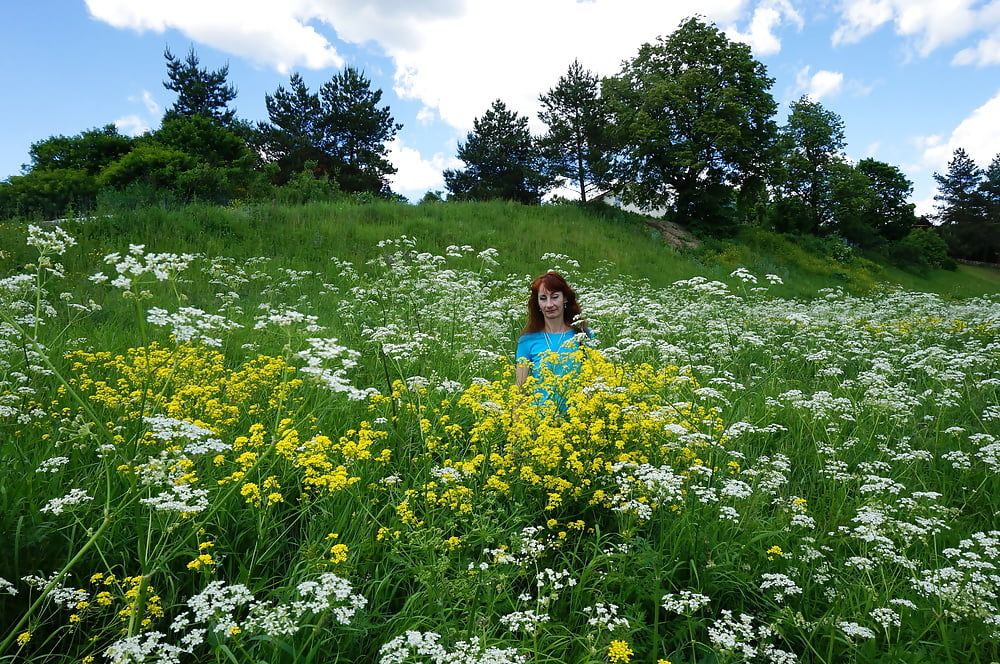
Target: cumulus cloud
x,y
453,56
926,24
978,134
767,16
274,34
415,175
824,83
132,125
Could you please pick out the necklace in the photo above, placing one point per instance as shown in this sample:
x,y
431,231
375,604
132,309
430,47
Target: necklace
x,y
548,340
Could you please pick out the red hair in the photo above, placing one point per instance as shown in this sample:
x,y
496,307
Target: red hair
x,y
553,282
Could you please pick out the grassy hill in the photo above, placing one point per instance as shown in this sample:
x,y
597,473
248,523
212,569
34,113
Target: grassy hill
x,y
305,236
328,460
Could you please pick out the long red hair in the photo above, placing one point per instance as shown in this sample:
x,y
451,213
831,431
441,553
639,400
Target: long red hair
x,y
553,281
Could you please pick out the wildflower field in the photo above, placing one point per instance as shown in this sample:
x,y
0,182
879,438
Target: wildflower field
x,y
212,458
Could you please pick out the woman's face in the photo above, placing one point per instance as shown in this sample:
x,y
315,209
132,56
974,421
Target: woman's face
x,y
551,303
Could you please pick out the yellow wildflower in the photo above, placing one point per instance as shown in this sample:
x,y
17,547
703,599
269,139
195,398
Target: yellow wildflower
x,y
619,652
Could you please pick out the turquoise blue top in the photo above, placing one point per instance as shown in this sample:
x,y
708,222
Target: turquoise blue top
x,y
533,346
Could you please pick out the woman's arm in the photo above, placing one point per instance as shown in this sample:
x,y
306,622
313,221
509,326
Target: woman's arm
x,y
522,373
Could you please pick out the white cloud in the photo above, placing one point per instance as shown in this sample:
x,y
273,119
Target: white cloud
x,y
425,115
824,83
766,18
872,149
415,175
147,100
269,33
984,53
454,56
978,135
926,24
132,125
924,206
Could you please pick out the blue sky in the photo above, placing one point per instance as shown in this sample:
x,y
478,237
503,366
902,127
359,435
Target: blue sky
x,y
912,79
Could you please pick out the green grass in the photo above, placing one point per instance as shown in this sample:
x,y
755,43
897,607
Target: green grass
x,y
841,411
302,235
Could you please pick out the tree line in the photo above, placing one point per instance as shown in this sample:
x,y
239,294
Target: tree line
x,y
687,126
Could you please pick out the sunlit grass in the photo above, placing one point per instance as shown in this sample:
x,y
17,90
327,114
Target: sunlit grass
x,y
737,477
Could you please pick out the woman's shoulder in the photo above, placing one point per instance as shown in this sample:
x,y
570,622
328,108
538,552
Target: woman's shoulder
x,y
528,336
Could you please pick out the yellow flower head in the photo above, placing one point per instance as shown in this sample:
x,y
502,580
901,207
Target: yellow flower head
x,y
619,652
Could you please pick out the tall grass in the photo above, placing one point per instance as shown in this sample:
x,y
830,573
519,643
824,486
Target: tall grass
x,y
739,476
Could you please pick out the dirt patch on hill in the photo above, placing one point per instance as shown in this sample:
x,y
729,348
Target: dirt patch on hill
x,y
673,234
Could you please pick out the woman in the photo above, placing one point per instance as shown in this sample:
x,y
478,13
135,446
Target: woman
x,y
546,342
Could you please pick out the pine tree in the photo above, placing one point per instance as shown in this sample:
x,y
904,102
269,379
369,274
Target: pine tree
x,y
574,147
958,191
340,131
294,135
199,91
502,160
356,132
989,191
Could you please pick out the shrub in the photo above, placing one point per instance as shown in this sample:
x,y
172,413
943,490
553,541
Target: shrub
x,y
921,249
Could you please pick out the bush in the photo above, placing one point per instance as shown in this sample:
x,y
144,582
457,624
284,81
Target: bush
x,y
305,187
47,194
921,249
151,163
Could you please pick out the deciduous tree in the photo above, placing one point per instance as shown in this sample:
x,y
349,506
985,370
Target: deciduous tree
x,y
89,151
693,117
811,143
888,210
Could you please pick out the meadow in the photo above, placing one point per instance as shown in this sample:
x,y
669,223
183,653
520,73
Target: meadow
x,y
216,449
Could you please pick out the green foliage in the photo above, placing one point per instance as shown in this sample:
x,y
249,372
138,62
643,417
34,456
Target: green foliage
x,y
205,139
850,203
811,143
959,196
150,162
342,129
357,131
922,249
502,160
989,190
804,262
693,119
135,196
294,134
576,145
306,187
199,91
974,240
88,151
888,211
47,193
431,197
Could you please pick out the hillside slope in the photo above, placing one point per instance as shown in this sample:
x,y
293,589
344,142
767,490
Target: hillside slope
x,y
306,236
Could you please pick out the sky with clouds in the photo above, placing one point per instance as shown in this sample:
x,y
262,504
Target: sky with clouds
x,y
912,79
